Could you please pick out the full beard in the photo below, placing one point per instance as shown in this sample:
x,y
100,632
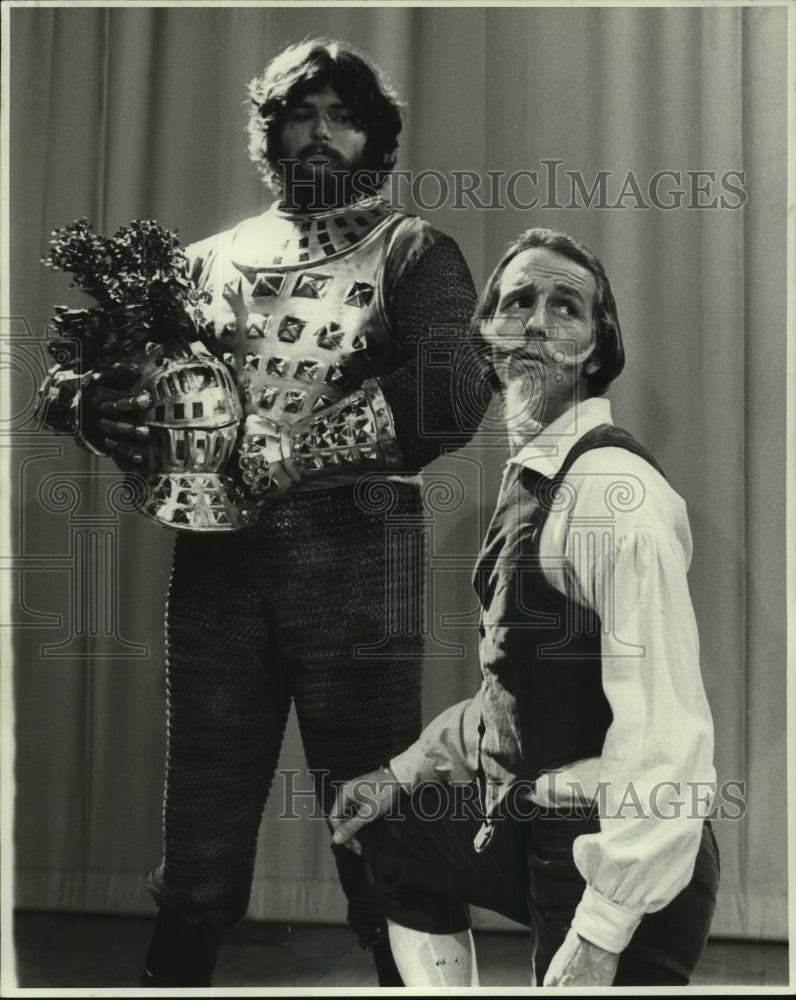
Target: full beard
x,y
321,184
524,400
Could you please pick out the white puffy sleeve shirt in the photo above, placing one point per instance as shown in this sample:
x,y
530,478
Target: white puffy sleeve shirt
x,y
621,545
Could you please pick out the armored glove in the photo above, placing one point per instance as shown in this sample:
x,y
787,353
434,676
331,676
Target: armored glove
x,y
93,409
62,405
356,434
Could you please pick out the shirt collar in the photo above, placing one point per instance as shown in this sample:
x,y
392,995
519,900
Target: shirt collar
x,y
547,452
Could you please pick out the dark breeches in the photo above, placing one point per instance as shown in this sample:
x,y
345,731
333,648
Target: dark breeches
x,y
257,620
424,874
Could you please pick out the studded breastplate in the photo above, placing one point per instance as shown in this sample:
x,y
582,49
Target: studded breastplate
x,y
296,302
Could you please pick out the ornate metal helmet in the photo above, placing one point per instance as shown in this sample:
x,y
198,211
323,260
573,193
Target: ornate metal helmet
x,y
193,425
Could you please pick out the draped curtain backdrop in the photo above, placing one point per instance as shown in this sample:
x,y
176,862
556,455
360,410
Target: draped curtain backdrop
x,y
124,113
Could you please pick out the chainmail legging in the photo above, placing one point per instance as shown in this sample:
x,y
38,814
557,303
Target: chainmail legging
x,y
267,616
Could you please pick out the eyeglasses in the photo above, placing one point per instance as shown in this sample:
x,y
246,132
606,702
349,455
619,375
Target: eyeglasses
x,y
336,120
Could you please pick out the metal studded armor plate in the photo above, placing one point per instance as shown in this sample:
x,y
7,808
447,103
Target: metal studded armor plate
x,y
296,309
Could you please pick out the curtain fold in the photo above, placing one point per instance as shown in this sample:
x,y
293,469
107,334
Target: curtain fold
x,y
138,112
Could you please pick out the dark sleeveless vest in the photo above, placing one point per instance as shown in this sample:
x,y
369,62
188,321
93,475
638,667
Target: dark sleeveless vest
x,y
543,705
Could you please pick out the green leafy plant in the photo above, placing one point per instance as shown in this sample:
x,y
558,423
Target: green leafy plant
x,y
139,281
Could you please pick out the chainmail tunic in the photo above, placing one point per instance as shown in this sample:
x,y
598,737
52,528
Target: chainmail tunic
x,y
272,615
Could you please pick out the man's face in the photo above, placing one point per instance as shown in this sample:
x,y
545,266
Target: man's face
x,y
542,336
320,133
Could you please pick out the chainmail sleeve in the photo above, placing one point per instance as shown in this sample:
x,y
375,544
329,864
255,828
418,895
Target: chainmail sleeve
x,y
440,392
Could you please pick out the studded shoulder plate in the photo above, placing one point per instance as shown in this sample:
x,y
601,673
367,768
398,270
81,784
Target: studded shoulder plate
x,y
281,239
296,303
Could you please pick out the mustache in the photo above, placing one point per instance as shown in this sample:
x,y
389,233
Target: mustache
x,y
318,149
520,358
534,353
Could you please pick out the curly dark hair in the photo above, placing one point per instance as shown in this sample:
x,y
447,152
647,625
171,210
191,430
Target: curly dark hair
x,y
609,350
305,68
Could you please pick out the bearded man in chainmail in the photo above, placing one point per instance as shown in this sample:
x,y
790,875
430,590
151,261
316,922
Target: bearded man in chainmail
x,y
319,308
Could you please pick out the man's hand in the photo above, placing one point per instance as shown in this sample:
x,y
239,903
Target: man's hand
x,y
125,438
580,963
359,802
262,459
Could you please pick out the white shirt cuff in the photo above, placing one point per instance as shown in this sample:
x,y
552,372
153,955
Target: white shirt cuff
x,y
411,767
604,923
